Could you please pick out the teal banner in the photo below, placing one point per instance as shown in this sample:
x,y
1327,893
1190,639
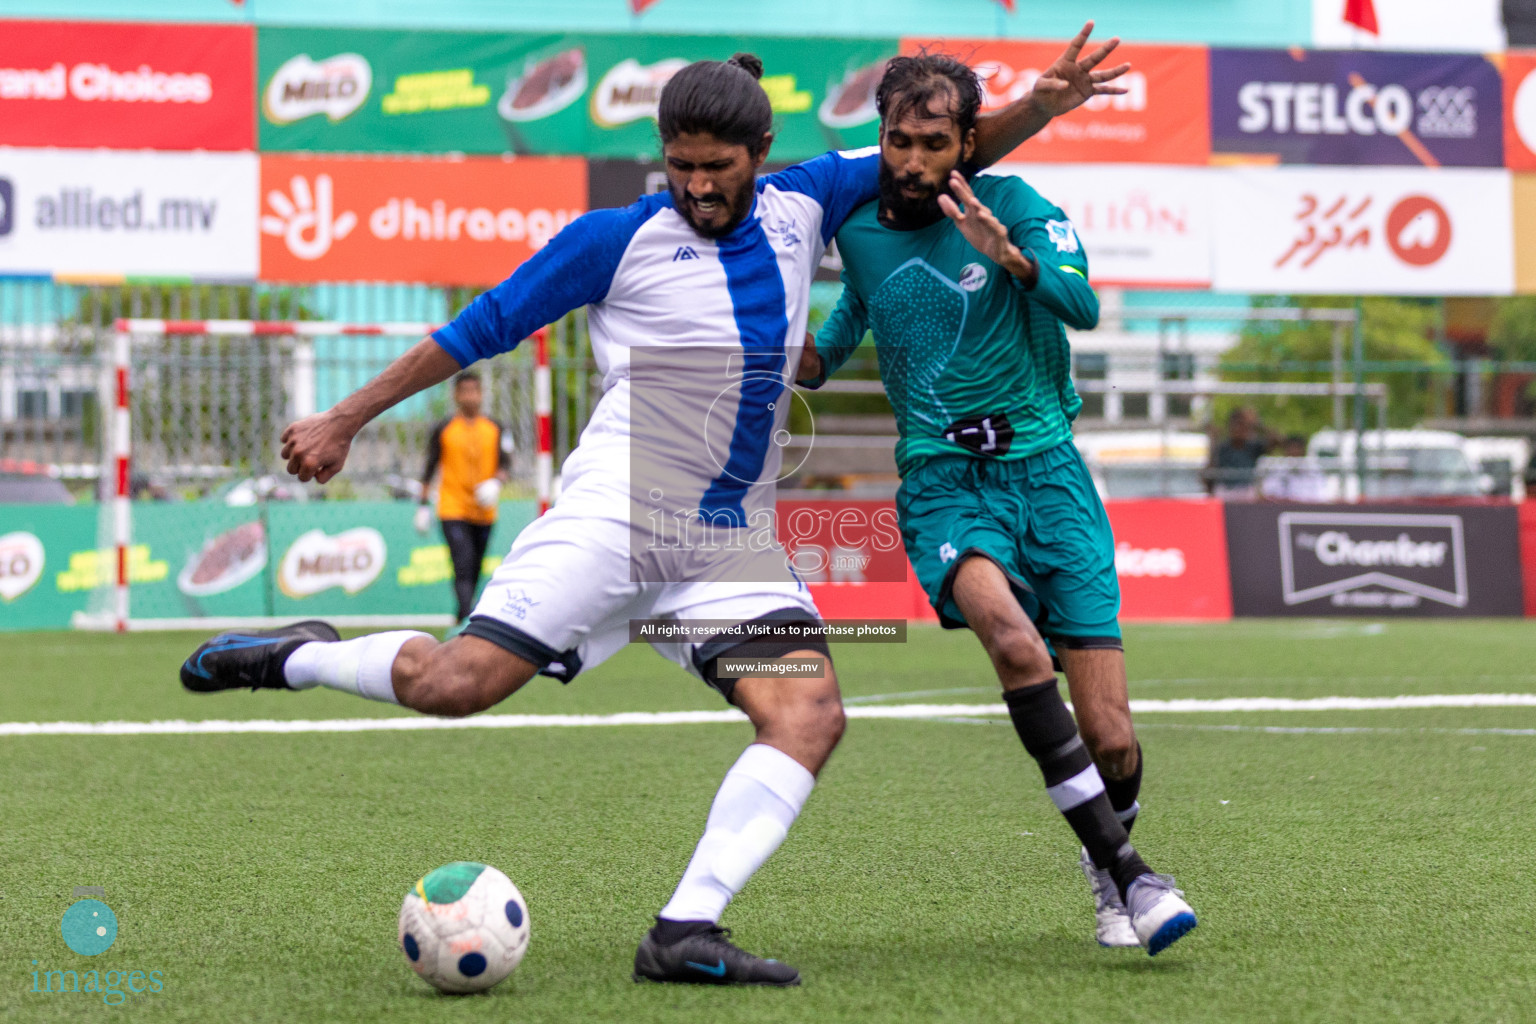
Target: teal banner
x,y
206,560
390,91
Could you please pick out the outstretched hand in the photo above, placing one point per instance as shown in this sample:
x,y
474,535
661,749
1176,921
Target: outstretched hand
x,y
1069,82
316,447
982,229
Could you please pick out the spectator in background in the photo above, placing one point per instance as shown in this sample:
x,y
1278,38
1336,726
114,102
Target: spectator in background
x,y
1293,477
1230,473
473,453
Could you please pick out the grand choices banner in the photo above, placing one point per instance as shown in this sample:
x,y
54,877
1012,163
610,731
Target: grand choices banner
x,y
126,86
95,212
1364,231
346,90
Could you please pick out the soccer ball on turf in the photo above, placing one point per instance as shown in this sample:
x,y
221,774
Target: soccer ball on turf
x,y
464,927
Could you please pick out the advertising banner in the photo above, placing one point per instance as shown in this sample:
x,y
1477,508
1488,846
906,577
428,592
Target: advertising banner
x,y
1520,110
1474,26
1344,107
73,212
1171,558
1525,233
126,86
345,90
1374,560
1142,227
468,221
1162,118
1371,231
193,560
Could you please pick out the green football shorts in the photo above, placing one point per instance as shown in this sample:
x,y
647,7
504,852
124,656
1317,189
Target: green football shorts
x,y
1039,518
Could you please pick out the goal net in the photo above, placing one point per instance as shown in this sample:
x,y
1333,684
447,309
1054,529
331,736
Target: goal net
x,y
200,525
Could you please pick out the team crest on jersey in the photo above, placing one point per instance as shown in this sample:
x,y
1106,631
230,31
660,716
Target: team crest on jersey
x,y
972,277
785,229
1062,234
684,252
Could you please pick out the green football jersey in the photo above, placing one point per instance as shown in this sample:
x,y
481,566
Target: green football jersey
x,y
973,362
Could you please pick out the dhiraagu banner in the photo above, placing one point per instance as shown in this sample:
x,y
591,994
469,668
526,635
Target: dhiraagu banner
x,y
345,90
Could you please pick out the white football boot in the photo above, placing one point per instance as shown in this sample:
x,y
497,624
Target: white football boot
x,y
1158,912
1113,921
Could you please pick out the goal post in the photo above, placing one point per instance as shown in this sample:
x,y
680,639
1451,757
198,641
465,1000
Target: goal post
x,y
180,391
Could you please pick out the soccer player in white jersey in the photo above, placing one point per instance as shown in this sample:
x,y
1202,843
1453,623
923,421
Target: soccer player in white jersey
x,y
698,300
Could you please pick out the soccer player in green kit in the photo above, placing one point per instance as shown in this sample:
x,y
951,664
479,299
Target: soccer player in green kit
x,y
966,285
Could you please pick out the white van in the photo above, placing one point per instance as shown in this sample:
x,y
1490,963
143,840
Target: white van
x,y
1398,464
1503,460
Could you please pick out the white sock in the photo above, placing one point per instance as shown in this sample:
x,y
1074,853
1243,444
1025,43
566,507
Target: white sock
x,y
760,798
363,666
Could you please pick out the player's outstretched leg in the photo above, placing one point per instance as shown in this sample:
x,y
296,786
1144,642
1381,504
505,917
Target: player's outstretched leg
x,y
1157,912
459,677
1096,679
798,722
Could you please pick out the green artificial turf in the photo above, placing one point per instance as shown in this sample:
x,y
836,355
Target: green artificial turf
x,y
1339,876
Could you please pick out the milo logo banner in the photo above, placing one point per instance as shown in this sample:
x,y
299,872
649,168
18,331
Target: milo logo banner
x,y
206,560
360,91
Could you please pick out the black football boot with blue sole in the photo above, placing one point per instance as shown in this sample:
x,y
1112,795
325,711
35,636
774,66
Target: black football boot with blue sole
x,y
250,657
707,957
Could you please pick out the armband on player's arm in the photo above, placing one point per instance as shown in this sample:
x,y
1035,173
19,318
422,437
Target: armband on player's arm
x,y
1061,269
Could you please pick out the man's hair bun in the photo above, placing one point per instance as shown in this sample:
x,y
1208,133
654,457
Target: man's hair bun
x,y
748,62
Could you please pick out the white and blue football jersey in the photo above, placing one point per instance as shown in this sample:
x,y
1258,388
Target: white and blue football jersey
x,y
662,296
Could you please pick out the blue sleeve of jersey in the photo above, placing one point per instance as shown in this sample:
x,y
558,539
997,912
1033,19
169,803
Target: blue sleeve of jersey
x,y
840,182
574,269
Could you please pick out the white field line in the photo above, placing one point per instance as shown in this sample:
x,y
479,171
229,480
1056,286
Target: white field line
x,y
180,727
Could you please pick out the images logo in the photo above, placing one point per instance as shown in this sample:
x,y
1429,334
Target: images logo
x,y
7,207
301,88
21,564
89,927
305,220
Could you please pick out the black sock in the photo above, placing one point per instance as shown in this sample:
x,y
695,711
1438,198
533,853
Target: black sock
x,y
1045,726
667,932
1123,793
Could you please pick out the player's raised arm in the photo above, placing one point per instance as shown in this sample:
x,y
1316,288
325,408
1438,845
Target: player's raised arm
x,y
1063,87
316,447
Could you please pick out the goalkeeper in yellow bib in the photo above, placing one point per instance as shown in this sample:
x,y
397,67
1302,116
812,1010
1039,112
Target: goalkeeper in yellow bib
x,y
966,283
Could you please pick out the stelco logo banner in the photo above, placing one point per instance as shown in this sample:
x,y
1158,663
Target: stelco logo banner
x,y
127,86
1162,118
1372,231
1333,107
461,222
1374,560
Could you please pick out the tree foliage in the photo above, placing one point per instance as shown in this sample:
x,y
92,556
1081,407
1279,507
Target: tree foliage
x,y
1398,331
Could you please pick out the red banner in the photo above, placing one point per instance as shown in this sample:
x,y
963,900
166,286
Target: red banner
x,y
1171,557
127,86
442,221
1163,118
1520,110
